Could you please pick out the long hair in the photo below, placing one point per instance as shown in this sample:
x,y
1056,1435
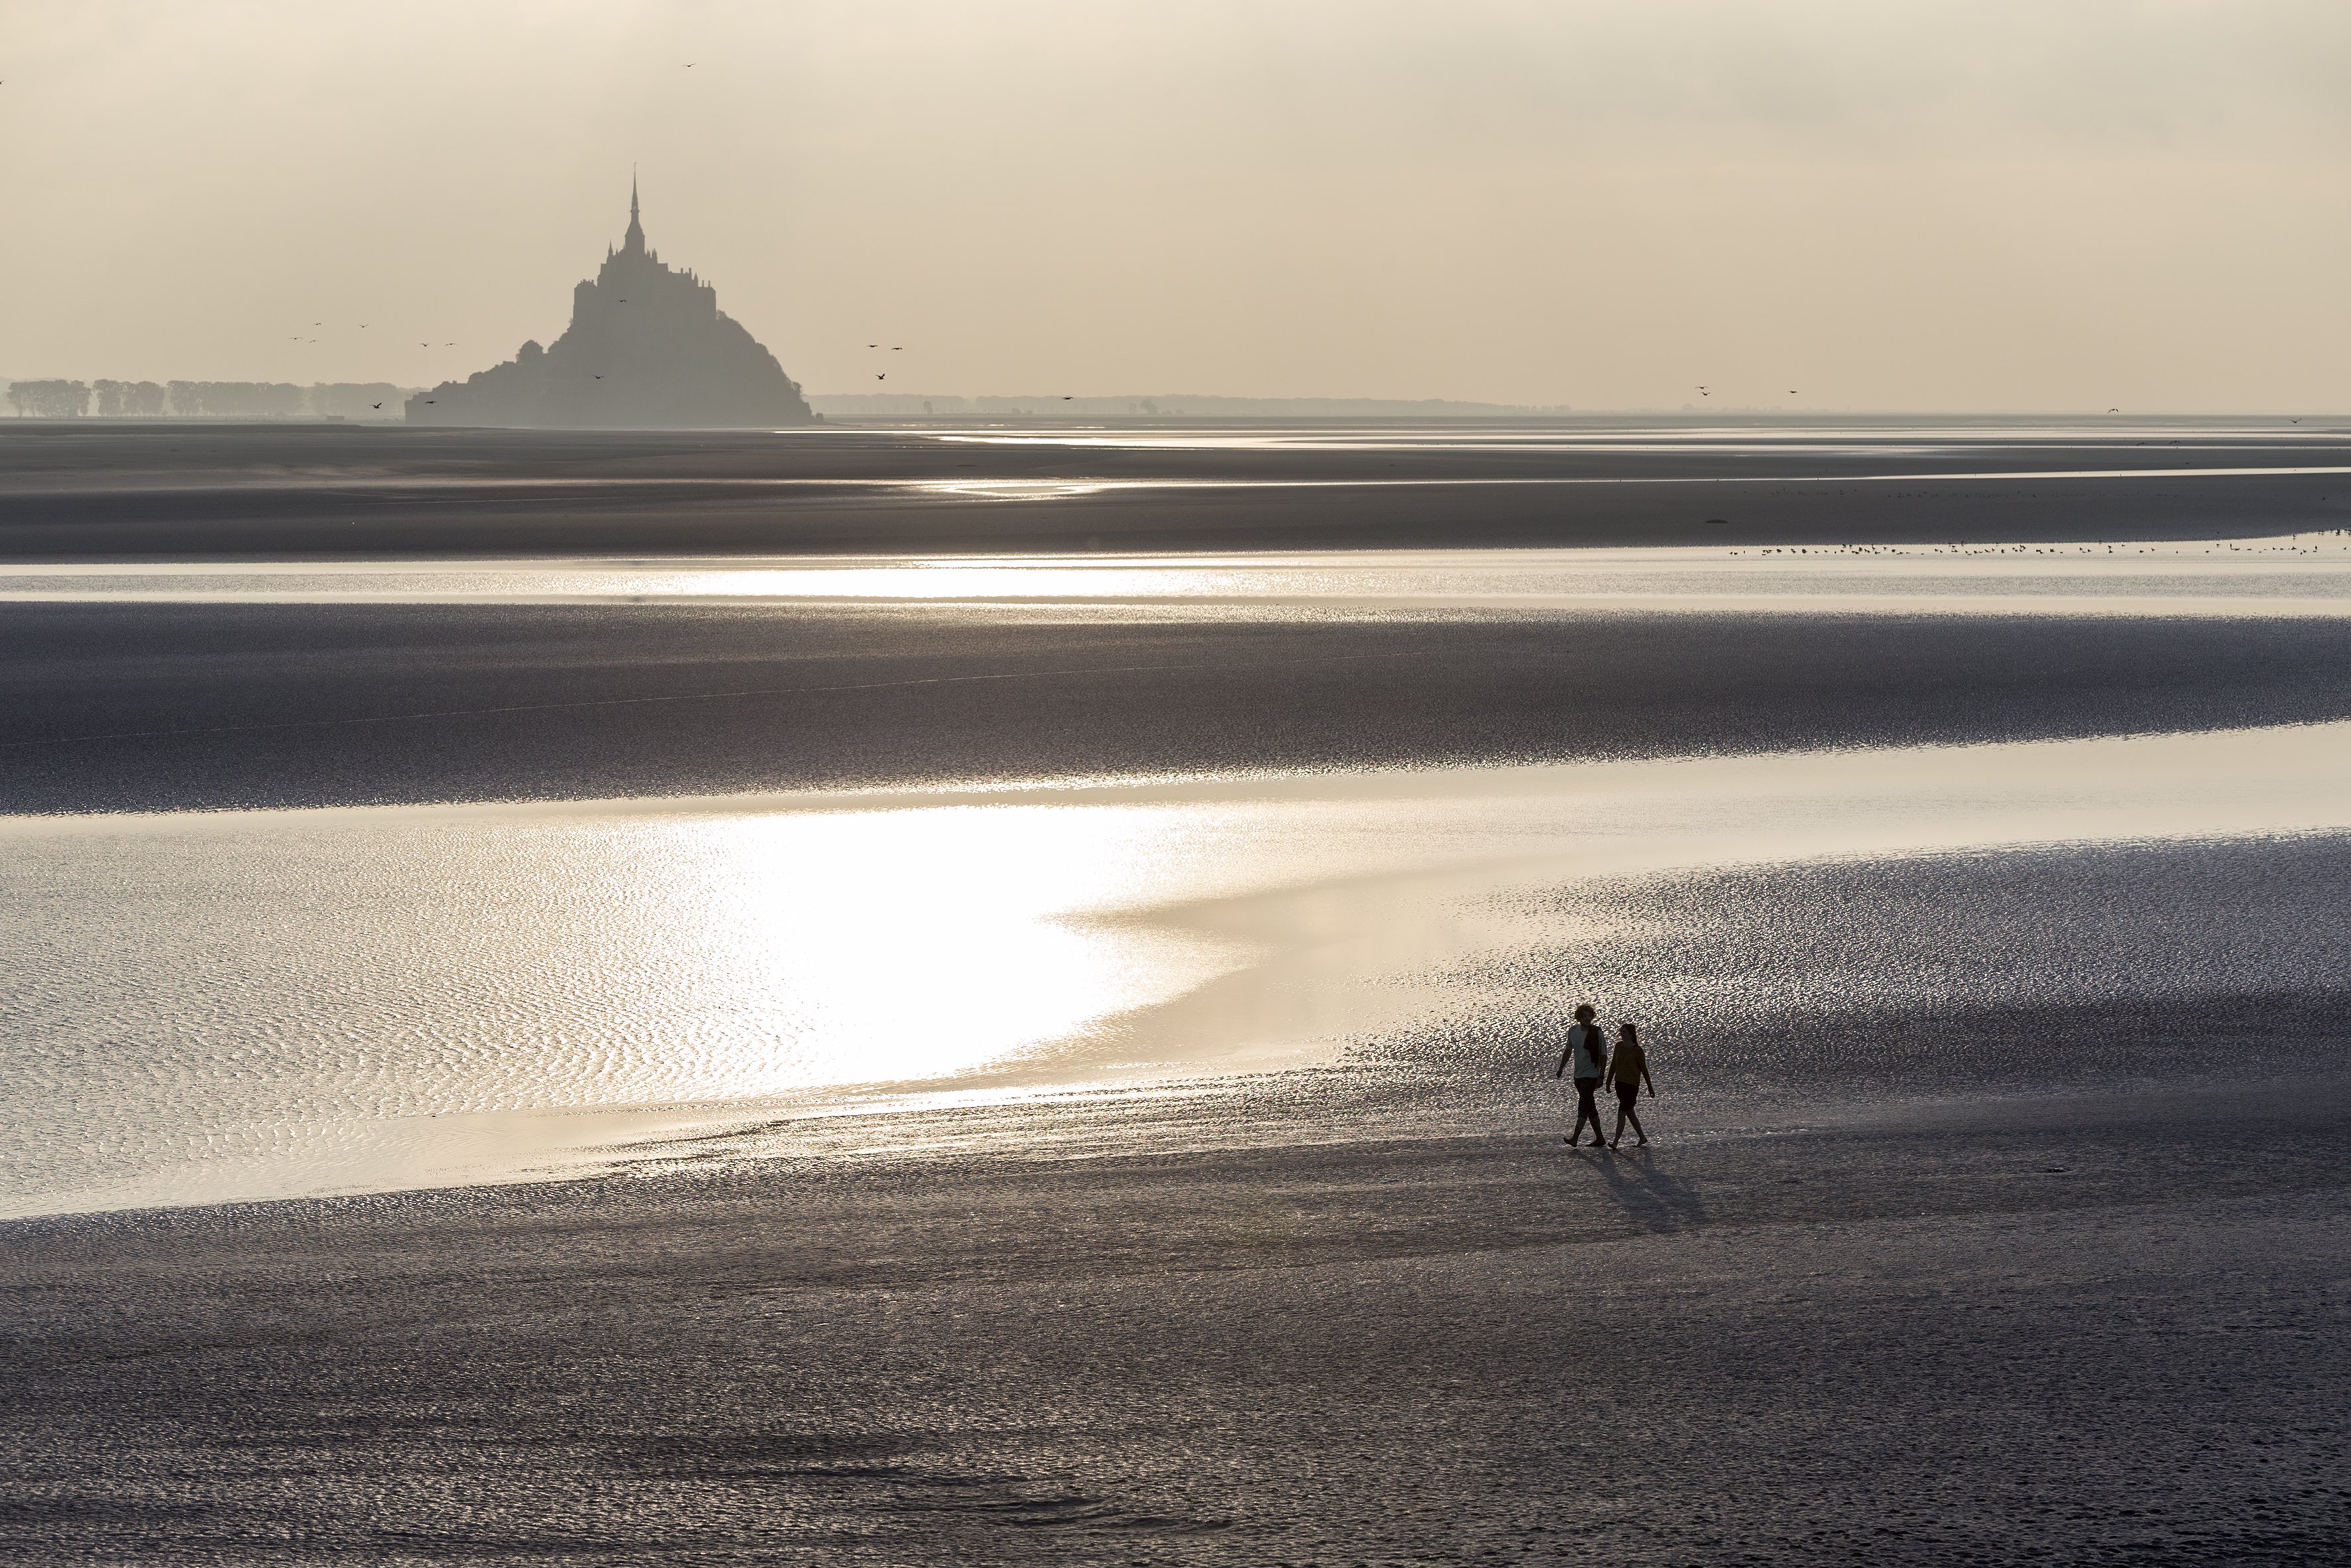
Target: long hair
x,y
1628,1034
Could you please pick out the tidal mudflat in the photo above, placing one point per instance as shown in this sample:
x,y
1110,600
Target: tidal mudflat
x,y
173,492
238,1005
743,1055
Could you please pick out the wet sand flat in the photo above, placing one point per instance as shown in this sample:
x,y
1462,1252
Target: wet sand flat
x,y
178,492
228,1007
1987,936
175,706
1907,1231
2100,1329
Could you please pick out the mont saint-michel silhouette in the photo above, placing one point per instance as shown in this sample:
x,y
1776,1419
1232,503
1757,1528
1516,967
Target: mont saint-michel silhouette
x,y
647,347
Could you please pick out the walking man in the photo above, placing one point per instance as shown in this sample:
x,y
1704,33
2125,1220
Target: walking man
x,y
1587,1052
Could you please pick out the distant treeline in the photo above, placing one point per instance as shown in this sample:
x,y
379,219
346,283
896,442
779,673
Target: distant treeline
x,y
1160,405
206,400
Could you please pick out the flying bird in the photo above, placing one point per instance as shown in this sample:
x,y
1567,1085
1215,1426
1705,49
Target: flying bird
x,y
2114,411
897,348
880,378
872,345
432,400
599,376
375,405
1065,399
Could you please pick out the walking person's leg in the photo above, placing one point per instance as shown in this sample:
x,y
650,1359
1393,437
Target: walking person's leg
x,y
1627,1094
1587,1109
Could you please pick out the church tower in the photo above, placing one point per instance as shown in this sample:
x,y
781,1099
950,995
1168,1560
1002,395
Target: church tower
x,y
634,242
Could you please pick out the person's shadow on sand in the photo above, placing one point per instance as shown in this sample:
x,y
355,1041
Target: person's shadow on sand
x,y
1649,1194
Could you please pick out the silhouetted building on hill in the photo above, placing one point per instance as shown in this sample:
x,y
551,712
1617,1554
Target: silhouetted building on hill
x,y
647,347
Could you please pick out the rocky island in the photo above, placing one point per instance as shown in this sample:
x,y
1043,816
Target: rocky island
x,y
647,347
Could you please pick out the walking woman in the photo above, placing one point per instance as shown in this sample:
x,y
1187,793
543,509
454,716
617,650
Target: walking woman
x,y
1628,1069
1587,1050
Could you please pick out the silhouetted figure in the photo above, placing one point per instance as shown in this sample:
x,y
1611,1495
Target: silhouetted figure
x,y
1628,1070
1587,1052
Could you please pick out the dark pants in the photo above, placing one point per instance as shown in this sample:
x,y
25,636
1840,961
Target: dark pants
x,y
1585,1107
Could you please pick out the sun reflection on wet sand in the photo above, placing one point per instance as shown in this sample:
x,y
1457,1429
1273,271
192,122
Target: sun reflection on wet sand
x,y
256,1003
912,944
2296,575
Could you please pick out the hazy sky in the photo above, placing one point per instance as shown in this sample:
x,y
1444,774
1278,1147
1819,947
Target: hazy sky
x,y
1882,204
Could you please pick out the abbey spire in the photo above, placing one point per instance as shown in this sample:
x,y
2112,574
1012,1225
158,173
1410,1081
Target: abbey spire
x,y
634,242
